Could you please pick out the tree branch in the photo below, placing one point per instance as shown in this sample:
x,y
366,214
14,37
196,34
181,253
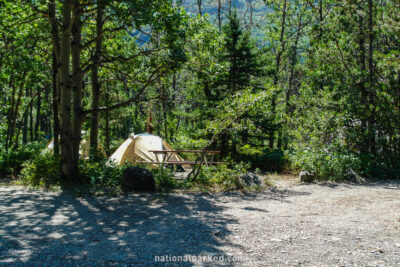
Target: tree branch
x,y
135,98
45,14
342,59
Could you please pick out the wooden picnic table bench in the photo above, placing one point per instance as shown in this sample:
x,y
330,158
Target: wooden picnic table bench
x,y
170,153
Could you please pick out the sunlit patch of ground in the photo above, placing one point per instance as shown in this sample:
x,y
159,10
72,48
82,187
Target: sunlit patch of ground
x,y
283,180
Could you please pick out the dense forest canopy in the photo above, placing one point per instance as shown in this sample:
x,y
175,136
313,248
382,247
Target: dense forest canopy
x,y
279,84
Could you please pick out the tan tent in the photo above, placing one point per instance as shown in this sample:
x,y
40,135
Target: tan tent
x,y
136,149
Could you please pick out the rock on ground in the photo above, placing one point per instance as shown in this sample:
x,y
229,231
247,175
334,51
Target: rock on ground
x,y
138,179
250,179
306,177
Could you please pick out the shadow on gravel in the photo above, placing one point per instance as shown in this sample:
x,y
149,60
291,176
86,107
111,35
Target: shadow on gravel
x,y
331,185
57,229
277,194
387,184
255,209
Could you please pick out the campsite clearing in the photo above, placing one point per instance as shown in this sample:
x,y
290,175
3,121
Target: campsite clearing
x,y
311,225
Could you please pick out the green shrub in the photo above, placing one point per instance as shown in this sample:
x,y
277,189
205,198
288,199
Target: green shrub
x,y
44,170
383,166
335,164
223,175
327,164
100,173
164,178
262,159
11,162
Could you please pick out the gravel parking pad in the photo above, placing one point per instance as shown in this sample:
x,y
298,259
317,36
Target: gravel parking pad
x,y
311,225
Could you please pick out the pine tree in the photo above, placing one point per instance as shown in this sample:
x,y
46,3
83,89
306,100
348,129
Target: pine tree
x,y
240,55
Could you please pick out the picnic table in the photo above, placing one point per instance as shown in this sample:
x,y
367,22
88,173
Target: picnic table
x,y
169,153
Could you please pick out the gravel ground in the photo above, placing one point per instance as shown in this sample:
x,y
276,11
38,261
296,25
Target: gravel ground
x,y
310,225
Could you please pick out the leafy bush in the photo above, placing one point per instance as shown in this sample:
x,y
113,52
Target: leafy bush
x,y
223,175
336,164
44,170
100,173
164,178
383,166
327,164
321,144
11,162
265,160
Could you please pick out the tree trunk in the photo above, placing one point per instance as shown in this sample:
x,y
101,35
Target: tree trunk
x,y
251,10
45,122
25,113
320,18
25,123
361,85
67,149
38,110
16,110
56,76
174,90
276,74
289,92
94,123
31,126
55,104
199,6
10,111
281,135
219,14
107,133
164,107
78,117
25,129
293,63
371,77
